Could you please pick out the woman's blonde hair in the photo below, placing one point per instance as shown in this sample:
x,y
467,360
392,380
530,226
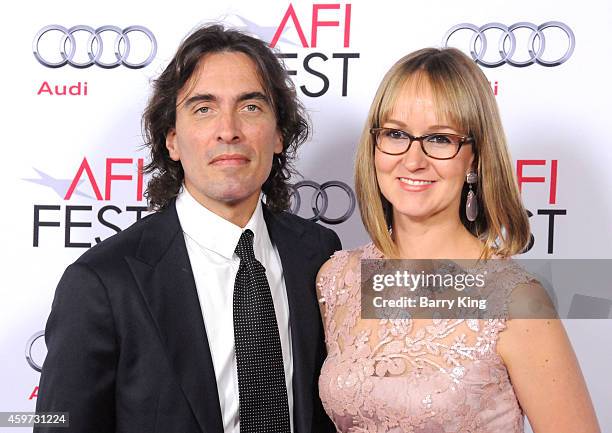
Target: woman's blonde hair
x,y
463,96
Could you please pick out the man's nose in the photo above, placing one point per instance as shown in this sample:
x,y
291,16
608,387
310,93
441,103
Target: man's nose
x,y
228,127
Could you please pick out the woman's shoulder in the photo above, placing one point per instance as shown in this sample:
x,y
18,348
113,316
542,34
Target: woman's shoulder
x,y
514,291
367,251
350,258
345,265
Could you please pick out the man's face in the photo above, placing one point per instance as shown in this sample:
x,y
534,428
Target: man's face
x,y
225,133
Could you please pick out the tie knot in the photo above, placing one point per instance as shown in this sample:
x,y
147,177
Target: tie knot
x,y
244,249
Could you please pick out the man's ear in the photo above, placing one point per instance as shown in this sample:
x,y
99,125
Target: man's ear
x,y
172,146
278,145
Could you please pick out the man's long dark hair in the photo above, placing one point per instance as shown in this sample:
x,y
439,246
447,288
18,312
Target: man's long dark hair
x,y
159,116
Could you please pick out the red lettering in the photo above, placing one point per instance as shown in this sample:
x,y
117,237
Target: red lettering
x,y
34,393
316,23
298,28
552,193
494,87
553,182
45,88
110,177
80,88
347,25
76,89
519,172
92,180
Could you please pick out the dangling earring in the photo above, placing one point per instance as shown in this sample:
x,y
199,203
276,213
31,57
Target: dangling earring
x,y
471,204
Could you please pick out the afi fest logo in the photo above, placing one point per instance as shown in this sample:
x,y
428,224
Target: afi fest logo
x,y
319,70
85,224
116,188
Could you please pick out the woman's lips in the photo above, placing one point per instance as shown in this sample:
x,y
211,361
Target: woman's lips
x,y
415,185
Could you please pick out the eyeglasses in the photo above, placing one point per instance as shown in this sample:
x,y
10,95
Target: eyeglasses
x,y
437,146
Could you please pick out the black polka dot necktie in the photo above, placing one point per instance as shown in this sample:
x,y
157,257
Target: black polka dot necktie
x,y
263,405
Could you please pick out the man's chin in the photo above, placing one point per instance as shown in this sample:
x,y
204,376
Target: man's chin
x,y
237,198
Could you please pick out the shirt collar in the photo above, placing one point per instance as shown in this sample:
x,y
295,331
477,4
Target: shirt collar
x,y
214,233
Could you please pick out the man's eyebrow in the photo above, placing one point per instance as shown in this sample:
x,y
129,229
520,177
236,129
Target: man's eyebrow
x,y
200,97
253,95
207,97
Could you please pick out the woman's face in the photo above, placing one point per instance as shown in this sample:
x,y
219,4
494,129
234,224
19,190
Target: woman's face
x,y
417,186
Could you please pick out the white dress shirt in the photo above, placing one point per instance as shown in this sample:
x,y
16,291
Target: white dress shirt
x,y
211,241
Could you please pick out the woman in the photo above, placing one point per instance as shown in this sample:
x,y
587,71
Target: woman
x,y
434,181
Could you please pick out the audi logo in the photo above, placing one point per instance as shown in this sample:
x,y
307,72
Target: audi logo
x,y
28,351
507,46
320,200
68,47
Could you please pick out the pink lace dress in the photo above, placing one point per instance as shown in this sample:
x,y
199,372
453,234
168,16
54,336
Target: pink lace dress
x,y
412,375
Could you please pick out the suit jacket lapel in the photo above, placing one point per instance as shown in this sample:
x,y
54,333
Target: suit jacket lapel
x,y
297,252
166,281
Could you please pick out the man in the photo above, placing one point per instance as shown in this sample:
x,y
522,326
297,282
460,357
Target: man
x,y
202,317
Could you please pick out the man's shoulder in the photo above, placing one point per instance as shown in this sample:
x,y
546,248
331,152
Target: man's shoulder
x,y
289,219
127,242
309,235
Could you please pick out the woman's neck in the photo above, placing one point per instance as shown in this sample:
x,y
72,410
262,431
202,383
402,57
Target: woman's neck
x,y
435,240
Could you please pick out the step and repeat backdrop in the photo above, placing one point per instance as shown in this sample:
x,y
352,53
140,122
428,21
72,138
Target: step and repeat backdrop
x,y
76,77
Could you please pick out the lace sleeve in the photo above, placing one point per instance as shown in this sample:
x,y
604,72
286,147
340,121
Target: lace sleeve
x,y
329,281
513,293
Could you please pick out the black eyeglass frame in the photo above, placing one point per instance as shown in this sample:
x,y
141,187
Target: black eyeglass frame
x,y
463,139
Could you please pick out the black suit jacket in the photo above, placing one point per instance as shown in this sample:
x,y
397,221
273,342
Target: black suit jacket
x,y
127,347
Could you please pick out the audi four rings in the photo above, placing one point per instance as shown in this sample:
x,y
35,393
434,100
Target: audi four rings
x,y
319,212
506,55
67,47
